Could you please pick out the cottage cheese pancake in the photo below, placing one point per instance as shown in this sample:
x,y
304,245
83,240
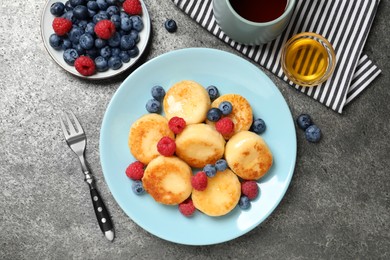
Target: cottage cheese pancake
x,y
168,180
145,134
241,115
248,155
199,144
221,195
187,99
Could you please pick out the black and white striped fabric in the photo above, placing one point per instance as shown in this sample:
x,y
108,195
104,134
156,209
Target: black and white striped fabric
x,y
345,23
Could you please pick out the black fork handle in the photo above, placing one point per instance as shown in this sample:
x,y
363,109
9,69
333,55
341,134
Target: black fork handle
x,y
102,214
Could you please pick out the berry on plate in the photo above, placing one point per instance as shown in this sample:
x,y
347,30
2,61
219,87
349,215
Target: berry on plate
x,y
187,207
214,114
158,93
213,92
244,202
105,29
225,126
137,187
85,65
177,124
166,146
135,171
61,26
250,189
153,106
226,107
132,7
258,126
210,170
221,165
199,181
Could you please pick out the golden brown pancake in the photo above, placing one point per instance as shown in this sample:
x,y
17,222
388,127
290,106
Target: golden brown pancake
x,y
187,99
199,144
221,195
145,134
248,155
168,180
242,115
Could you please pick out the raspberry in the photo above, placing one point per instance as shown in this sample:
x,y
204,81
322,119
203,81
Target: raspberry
x,y
166,146
177,124
225,126
187,207
135,170
250,189
61,26
85,65
199,181
104,29
132,7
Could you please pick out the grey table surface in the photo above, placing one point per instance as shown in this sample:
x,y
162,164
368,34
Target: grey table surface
x,y
336,207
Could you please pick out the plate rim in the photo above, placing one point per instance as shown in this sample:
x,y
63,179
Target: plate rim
x,y
291,167
99,75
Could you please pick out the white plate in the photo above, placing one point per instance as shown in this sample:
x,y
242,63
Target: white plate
x,y
231,74
47,30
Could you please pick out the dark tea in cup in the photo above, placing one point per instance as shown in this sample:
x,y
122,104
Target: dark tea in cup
x,y
259,11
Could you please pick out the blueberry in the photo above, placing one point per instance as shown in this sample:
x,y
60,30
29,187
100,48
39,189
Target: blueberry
x,y
244,202
124,15
75,3
105,52
80,50
213,92
158,92
210,170
125,57
153,106
111,10
70,55
127,42
82,24
100,43
138,24
115,51
226,107
92,53
135,35
214,114
116,19
81,12
55,41
74,34
92,5
102,15
86,41
137,187
258,126
170,25
91,13
221,165
101,63
114,62
102,4
313,134
133,52
112,2
115,40
69,15
126,24
57,9
304,121
90,28
68,6
66,44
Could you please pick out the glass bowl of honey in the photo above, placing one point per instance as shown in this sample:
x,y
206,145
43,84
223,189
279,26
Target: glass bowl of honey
x,y
308,59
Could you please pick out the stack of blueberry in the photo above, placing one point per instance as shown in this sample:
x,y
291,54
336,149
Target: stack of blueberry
x,y
80,38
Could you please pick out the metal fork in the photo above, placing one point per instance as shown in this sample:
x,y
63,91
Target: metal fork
x,y
77,141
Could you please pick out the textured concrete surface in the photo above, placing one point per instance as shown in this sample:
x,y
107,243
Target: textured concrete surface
x,y
337,206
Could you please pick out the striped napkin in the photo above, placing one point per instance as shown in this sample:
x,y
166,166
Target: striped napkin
x,y
344,23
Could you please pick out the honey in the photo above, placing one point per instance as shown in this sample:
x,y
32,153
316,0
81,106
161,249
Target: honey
x,y
308,61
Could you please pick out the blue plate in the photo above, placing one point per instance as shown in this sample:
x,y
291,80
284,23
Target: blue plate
x,y
231,74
